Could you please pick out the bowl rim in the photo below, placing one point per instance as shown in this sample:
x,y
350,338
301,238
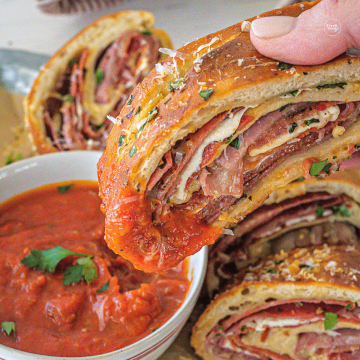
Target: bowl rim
x,y
164,332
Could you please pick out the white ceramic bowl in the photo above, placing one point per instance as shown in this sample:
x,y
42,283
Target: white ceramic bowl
x,y
81,165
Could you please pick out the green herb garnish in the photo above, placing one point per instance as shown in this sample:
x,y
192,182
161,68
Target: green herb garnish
x,y
301,178
235,143
121,140
284,107
332,86
103,288
11,158
294,93
99,75
8,327
284,66
174,85
65,188
167,101
130,113
137,110
317,167
84,269
277,262
320,211
341,210
271,271
292,127
146,32
132,151
311,121
205,94
130,100
327,168
330,320
47,260
243,327
69,98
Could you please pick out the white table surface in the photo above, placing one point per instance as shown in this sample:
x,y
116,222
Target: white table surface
x,y
24,26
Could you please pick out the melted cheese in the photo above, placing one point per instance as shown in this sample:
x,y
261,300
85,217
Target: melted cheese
x,y
324,116
223,131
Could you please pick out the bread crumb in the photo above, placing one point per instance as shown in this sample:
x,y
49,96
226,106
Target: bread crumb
x,y
246,26
337,131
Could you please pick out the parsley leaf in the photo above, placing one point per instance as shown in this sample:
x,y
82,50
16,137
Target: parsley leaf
x,y
294,93
146,32
174,85
292,127
130,100
341,210
235,143
311,121
284,107
327,168
137,110
332,86
284,66
11,158
47,260
65,188
132,151
121,140
205,94
103,288
99,75
320,211
349,306
69,98
301,178
8,327
330,320
317,167
73,274
84,269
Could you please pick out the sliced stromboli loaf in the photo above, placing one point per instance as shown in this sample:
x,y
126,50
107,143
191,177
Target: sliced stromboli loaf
x,y
89,78
299,305
210,133
304,213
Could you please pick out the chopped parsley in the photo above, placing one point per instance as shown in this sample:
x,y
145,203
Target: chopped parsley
x,y
132,151
167,101
349,306
284,107
47,260
174,85
284,66
235,143
121,140
138,110
319,211
12,158
73,61
8,327
271,270
294,93
243,327
334,157
332,86
69,98
317,167
99,75
65,188
130,113
327,168
330,320
311,121
341,210
301,178
167,200
292,127
103,288
205,94
146,32
277,262
220,328
130,100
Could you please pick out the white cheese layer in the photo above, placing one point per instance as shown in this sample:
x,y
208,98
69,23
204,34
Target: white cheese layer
x,y
324,116
223,131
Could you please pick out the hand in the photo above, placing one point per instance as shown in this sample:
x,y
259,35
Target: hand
x,y
316,36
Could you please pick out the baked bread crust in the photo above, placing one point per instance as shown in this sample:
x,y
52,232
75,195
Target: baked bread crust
x,y
238,76
95,37
334,277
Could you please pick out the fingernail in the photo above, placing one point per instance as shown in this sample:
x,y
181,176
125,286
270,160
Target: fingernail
x,y
273,26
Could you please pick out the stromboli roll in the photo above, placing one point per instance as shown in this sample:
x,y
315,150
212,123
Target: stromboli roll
x,y
298,305
89,78
210,133
304,213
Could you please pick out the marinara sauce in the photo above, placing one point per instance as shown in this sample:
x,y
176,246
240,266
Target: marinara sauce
x,y
119,307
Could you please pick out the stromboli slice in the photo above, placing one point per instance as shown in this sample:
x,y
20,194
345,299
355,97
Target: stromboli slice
x,y
89,78
304,213
298,305
210,133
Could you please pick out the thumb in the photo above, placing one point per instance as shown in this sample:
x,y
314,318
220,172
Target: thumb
x,y
316,36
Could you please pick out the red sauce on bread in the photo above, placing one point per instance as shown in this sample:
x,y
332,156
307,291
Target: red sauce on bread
x,y
118,307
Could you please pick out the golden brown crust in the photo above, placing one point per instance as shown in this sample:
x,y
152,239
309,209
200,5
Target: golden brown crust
x,y
319,273
95,37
